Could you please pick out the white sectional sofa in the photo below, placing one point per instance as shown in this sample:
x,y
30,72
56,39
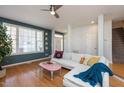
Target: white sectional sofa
x,y
72,61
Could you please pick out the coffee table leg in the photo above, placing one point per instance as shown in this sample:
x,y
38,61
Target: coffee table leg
x,y
51,75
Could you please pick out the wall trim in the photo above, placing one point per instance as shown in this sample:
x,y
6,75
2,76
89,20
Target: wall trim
x,y
25,62
119,78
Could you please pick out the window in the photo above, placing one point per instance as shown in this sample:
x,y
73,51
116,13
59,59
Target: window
x,y
12,32
25,40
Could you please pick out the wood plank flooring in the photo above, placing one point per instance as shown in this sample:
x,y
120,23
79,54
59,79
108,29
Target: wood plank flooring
x,y
115,82
118,70
26,75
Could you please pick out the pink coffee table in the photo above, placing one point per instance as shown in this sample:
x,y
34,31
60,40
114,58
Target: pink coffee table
x,y
50,67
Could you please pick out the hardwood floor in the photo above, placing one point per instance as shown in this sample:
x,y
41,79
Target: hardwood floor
x,y
118,70
26,76
115,82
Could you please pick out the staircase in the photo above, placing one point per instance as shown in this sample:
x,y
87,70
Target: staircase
x,y
118,45
118,57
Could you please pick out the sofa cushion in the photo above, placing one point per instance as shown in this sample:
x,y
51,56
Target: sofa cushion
x,y
93,60
58,54
87,57
101,60
70,64
67,63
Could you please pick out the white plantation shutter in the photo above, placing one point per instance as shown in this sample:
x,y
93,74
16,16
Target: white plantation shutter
x,y
25,40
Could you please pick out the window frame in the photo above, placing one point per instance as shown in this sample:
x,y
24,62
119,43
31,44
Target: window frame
x,y
17,39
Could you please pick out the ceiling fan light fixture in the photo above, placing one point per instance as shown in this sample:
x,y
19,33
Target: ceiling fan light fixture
x,y
52,12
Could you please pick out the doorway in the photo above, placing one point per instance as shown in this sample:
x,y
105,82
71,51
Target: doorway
x,y
118,45
59,42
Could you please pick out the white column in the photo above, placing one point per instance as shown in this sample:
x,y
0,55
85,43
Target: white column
x,y
108,38
100,35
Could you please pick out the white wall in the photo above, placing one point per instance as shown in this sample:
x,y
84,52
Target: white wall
x,y
83,39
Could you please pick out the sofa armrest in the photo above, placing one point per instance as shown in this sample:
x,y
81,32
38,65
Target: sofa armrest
x,y
105,80
107,62
106,74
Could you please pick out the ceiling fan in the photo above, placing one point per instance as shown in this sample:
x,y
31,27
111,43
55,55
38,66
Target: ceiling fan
x,y
53,9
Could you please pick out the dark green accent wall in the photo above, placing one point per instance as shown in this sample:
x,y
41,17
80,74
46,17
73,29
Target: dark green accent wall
x,y
27,57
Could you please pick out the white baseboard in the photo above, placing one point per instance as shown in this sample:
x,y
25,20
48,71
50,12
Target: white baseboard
x,y
25,62
119,78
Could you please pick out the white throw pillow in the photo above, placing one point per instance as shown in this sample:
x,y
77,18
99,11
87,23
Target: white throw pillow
x,y
102,60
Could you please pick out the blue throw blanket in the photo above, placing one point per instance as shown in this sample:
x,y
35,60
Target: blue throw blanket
x,y
93,75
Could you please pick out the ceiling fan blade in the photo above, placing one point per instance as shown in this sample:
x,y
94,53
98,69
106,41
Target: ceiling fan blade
x,y
56,7
56,15
44,10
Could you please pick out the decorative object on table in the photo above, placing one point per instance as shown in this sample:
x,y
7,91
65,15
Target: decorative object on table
x,y
49,62
5,47
58,54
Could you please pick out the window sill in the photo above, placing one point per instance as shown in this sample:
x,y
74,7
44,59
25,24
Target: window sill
x,y
27,53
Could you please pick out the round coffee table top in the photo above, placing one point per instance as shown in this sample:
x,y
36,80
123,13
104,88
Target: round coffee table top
x,y
50,67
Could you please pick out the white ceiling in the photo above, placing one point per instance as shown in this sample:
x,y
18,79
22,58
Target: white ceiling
x,y
74,15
